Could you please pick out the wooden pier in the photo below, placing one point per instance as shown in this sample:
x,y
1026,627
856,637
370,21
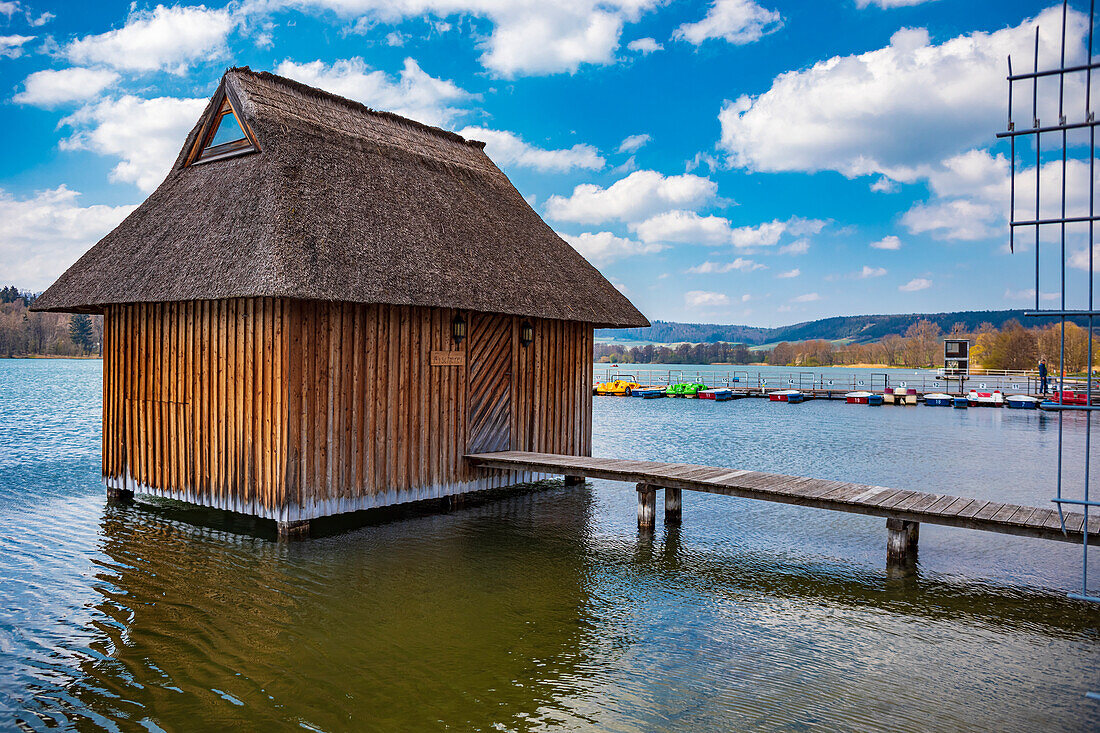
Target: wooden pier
x,y
904,510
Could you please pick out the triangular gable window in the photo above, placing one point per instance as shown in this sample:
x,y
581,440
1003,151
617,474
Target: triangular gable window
x,y
224,134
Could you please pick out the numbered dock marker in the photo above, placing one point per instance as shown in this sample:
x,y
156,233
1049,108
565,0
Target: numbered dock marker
x,y
859,383
901,384
981,386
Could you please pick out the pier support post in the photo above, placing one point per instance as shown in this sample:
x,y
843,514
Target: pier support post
x,y
673,506
647,506
574,481
119,496
901,542
296,530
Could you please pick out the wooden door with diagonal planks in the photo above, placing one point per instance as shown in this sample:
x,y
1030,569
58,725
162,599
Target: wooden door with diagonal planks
x,y
489,359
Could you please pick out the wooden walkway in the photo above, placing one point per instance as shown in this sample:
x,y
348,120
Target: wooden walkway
x,y
903,509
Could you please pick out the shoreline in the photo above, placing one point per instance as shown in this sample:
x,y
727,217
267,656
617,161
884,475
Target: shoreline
x,y
49,356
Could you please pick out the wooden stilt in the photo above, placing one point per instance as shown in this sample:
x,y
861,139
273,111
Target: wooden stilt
x,y
574,480
297,530
647,506
119,496
901,542
672,506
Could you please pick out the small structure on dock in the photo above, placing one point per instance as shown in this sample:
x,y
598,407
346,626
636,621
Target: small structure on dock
x,y
323,308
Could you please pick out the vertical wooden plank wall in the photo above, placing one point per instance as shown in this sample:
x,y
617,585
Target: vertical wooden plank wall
x,y
193,402
298,409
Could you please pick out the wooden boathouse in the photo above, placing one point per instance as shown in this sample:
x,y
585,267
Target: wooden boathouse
x,y
323,308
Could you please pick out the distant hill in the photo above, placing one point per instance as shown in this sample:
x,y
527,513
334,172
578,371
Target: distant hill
x,y
857,329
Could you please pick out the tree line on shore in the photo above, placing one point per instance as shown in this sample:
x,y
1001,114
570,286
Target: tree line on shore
x,y
25,333
1010,347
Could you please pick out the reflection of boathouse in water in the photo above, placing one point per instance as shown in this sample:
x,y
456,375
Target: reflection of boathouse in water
x,y
323,308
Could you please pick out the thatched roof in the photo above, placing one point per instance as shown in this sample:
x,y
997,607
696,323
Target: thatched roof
x,y
341,203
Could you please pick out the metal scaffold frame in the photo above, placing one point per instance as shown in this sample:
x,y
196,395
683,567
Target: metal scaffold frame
x,y
1037,133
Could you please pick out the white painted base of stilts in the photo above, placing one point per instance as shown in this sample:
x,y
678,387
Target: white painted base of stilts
x,y
315,508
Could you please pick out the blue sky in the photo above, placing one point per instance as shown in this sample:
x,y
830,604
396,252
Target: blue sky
x,y
736,161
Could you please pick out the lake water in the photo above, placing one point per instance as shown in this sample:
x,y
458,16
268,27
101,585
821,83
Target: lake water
x,y
547,609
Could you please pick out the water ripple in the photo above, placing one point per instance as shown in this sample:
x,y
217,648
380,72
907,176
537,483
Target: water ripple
x,y
543,609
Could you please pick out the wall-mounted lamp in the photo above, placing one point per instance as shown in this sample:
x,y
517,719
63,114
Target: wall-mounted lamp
x,y
526,333
458,328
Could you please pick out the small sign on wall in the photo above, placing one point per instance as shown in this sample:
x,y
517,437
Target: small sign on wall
x,y
448,358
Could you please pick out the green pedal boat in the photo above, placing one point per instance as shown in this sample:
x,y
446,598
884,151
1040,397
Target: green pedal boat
x,y
685,389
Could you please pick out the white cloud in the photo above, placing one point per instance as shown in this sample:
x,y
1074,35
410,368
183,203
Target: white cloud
x,y
49,88
891,110
42,235
527,36
696,298
798,247
601,248
1029,295
640,195
164,38
633,143
684,227
10,8
1080,260
508,149
622,288
145,134
971,195
702,158
413,93
806,298
736,21
917,283
395,39
790,273
644,46
692,228
869,271
741,264
768,233
887,242
884,185
955,219
886,4
12,46
746,298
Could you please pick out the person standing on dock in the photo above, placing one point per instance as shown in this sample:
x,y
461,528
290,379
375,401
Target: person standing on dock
x,y
1042,376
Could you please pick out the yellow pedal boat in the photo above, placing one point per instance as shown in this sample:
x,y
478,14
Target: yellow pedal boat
x,y
617,388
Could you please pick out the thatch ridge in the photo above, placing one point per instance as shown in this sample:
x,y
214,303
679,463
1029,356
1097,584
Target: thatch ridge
x,y
316,93
342,203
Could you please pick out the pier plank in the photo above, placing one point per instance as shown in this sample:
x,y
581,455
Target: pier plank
x,y
908,505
